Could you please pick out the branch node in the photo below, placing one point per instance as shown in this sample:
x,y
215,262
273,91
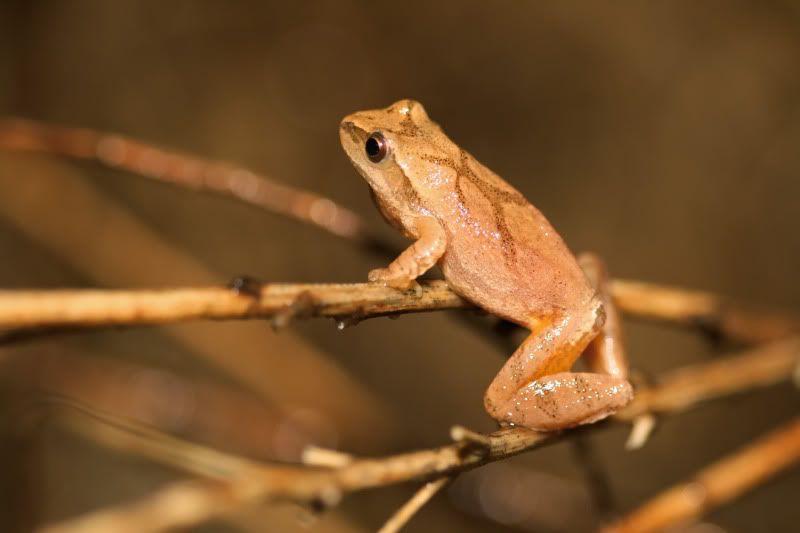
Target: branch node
x,y
476,442
246,286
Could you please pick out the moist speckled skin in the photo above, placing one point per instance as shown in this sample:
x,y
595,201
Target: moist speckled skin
x,y
495,249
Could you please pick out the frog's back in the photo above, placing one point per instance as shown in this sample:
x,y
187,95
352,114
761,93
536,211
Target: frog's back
x,y
502,252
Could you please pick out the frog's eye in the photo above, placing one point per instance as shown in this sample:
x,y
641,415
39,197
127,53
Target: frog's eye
x,y
376,147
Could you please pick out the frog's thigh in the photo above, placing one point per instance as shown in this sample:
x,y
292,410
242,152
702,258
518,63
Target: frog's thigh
x,y
606,353
539,355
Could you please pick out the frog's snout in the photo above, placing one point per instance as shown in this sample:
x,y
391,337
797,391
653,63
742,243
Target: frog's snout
x,y
347,129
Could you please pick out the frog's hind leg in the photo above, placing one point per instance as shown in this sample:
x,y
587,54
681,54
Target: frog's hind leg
x,y
536,390
606,353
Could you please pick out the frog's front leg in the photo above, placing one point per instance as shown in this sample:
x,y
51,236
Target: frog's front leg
x,y
416,259
535,388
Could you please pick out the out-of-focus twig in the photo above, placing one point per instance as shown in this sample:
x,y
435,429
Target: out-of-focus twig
x,y
190,502
239,482
347,302
414,504
717,484
701,309
690,385
197,173
142,440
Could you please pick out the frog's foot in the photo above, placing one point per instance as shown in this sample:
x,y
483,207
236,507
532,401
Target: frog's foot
x,y
564,400
388,278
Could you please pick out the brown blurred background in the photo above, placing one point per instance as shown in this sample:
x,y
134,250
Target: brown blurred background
x,y
663,136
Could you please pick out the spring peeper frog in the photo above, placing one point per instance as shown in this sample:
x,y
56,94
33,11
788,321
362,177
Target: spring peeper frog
x,y
498,251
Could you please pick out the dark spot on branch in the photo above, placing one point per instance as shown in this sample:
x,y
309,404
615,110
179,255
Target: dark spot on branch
x,y
246,286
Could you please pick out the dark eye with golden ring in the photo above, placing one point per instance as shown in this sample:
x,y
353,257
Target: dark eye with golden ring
x,y
377,147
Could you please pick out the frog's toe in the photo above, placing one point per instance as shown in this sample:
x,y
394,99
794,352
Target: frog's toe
x,y
383,276
379,275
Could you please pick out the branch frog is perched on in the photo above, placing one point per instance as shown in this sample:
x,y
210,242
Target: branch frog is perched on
x,y
498,251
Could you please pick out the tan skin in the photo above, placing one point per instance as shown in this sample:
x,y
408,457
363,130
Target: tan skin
x,y
498,251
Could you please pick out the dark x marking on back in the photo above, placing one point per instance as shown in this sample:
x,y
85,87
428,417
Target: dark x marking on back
x,y
496,196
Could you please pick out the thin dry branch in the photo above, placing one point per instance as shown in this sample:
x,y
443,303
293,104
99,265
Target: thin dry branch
x,y
346,302
117,151
240,482
278,301
682,388
705,310
414,504
717,484
190,502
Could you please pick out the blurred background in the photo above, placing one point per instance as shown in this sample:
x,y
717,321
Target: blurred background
x,y
663,136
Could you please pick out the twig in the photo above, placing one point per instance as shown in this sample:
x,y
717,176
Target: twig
x,y
121,307
117,151
249,482
145,441
682,388
186,503
717,484
701,309
350,302
641,428
410,508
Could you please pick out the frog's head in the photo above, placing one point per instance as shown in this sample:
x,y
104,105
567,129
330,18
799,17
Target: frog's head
x,y
380,143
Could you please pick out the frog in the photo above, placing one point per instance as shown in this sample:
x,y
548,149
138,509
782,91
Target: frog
x,y
499,252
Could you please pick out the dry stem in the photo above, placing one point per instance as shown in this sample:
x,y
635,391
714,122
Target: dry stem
x,y
349,303
410,508
693,384
197,173
239,482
